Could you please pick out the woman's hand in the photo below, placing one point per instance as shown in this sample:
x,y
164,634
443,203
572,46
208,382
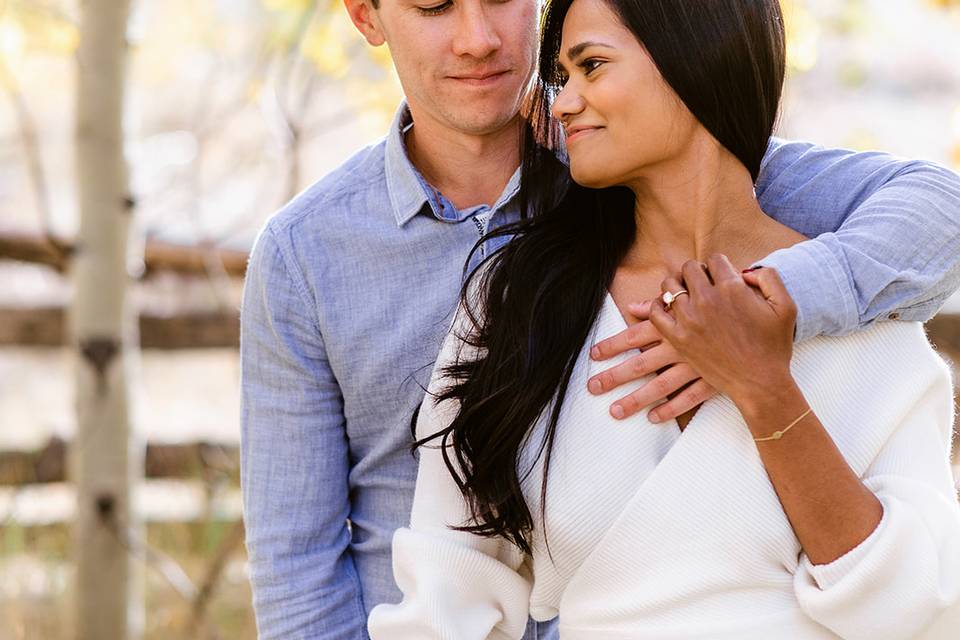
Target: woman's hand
x,y
736,329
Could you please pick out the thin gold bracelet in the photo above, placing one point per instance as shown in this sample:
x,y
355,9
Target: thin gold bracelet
x,y
779,434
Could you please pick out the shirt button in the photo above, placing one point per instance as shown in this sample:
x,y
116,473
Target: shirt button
x,y
894,316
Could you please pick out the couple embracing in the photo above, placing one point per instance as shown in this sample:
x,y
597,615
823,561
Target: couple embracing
x,y
682,388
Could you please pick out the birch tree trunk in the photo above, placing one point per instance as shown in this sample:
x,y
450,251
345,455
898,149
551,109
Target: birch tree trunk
x,y
108,587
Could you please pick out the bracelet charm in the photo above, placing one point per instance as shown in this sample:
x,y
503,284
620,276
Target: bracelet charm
x,y
779,434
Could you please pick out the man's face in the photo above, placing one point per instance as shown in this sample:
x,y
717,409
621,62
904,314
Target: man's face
x,y
465,64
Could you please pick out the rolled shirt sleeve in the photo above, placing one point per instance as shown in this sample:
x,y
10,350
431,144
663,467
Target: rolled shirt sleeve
x,y
294,462
884,235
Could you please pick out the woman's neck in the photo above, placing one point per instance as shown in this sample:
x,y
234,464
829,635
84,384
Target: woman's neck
x,y
699,203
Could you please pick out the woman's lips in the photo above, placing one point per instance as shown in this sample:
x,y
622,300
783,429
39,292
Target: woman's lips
x,y
481,80
581,132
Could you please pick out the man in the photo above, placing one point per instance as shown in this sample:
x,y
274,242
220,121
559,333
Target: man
x,y
352,285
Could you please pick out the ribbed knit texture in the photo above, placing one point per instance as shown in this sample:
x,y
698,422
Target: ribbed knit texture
x,y
658,534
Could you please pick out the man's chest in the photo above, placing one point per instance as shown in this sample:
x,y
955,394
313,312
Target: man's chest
x,y
384,304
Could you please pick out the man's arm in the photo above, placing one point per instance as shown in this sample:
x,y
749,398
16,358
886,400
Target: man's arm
x,y
293,461
885,235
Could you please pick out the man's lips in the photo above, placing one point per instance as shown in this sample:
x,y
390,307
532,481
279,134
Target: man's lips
x,y
578,131
482,78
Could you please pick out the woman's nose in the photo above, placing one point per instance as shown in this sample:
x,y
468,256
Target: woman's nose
x,y
567,103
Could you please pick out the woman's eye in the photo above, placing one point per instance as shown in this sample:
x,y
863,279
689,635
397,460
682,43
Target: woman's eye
x,y
434,10
590,65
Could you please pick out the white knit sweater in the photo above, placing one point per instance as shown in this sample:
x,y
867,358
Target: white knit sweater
x,y
660,535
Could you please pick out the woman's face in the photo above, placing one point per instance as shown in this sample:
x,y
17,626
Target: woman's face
x,y
621,118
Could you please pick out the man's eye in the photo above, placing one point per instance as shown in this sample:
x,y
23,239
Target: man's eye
x,y
434,10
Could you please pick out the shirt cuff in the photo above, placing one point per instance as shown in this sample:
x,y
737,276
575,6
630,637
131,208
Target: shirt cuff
x,y
829,574
820,288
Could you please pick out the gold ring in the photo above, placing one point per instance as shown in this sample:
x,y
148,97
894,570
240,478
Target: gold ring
x,y
669,298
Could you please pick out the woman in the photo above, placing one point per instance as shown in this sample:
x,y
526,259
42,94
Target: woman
x,y
812,498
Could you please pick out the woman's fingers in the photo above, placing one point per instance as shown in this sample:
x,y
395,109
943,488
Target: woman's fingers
x,y
695,277
634,368
673,285
721,269
640,309
692,396
771,286
768,281
662,321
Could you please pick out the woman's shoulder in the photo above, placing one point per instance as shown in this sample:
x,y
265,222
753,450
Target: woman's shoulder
x,y
891,350
863,385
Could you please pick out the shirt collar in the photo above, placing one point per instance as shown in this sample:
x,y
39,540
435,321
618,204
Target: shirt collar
x,y
407,194
408,190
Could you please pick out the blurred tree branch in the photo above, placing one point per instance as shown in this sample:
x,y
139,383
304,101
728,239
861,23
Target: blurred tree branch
x,y
158,256
31,149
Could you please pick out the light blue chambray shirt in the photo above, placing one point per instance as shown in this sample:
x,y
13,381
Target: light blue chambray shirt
x,y
351,288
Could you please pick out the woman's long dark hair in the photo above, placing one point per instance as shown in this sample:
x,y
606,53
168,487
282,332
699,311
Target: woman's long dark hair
x,y
541,292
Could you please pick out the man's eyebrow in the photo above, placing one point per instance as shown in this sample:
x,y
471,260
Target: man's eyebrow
x,y
577,49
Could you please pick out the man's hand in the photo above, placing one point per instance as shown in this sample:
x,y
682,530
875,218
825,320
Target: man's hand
x,y
656,356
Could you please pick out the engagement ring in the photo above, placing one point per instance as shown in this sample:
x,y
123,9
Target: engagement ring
x,y
669,298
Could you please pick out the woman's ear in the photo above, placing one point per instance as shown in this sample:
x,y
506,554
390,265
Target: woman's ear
x,y
365,18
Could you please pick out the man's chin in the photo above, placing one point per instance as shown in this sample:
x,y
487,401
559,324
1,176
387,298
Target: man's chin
x,y
482,114
483,123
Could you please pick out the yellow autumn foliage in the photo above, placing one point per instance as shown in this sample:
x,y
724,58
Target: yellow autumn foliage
x,y
325,45
955,149
27,28
803,35
297,6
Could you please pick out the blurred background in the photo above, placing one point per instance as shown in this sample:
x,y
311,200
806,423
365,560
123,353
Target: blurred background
x,y
232,107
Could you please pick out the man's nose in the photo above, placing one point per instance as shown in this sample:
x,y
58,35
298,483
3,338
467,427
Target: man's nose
x,y
476,34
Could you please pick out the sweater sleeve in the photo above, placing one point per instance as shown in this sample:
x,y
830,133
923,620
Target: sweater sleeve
x,y
455,585
907,571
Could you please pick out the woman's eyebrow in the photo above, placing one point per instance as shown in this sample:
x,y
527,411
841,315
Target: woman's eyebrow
x,y
577,49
